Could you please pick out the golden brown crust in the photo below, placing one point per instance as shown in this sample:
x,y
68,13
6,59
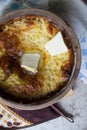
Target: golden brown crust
x,y
15,44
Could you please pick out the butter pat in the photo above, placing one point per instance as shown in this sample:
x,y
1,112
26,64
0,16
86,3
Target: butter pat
x,y
56,45
30,62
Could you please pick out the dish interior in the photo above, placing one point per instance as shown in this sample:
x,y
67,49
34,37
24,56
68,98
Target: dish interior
x,y
29,35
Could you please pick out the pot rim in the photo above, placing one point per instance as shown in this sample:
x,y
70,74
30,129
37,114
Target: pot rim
x,y
77,52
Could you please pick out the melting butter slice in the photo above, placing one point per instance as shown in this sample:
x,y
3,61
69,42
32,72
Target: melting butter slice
x,y
56,45
30,62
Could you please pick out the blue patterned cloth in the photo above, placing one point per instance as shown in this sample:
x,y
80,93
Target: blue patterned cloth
x,y
73,11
